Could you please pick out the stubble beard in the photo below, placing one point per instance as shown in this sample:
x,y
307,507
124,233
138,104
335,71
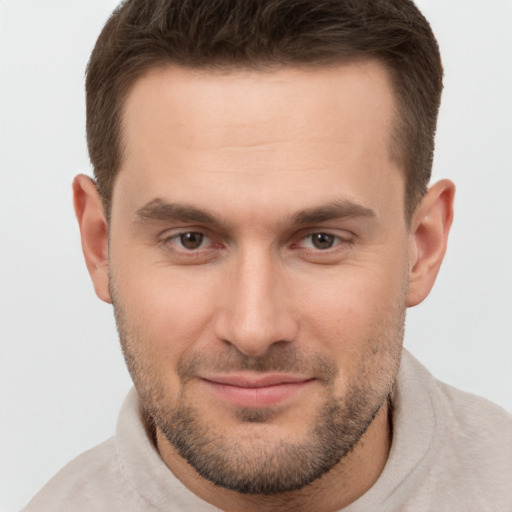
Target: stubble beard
x,y
254,465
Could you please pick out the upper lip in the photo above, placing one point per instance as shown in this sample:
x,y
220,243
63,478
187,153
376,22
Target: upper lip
x,y
255,381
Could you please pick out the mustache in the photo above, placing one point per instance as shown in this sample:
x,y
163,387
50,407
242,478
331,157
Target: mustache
x,y
282,359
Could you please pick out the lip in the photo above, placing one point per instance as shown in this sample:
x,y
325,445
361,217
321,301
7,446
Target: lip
x,y
256,391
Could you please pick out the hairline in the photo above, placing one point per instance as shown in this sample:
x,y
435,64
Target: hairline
x,y
396,134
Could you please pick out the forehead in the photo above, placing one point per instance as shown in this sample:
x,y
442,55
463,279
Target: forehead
x,y
271,131
205,101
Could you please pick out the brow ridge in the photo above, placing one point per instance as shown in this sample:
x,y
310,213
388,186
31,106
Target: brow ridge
x,y
160,210
335,210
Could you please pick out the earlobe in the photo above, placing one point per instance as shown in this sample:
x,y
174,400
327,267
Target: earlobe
x,y
430,226
93,231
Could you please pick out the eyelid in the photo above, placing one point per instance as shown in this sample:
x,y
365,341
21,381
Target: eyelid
x,y
169,235
344,236
336,254
213,241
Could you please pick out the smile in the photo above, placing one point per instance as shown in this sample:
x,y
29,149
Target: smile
x,y
260,391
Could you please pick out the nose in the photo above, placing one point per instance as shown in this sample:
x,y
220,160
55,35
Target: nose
x,y
256,310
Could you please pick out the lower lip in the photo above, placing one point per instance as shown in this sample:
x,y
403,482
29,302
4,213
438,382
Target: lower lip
x,y
258,397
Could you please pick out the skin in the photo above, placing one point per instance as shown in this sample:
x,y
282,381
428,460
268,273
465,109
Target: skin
x,y
266,154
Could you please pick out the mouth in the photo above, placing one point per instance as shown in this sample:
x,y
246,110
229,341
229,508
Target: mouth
x,y
256,391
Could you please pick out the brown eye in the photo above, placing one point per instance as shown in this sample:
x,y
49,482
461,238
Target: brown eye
x,y
191,240
322,240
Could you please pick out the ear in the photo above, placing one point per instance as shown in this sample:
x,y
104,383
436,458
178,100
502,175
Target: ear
x,y
93,231
428,239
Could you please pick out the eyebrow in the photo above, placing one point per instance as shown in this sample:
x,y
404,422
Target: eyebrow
x,y
336,210
160,210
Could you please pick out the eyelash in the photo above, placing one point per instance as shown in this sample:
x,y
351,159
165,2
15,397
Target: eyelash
x,y
173,243
178,236
337,240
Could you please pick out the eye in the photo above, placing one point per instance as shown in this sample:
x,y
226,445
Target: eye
x,y
181,247
320,241
188,241
191,240
323,240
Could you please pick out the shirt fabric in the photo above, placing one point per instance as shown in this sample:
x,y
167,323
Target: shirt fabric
x,y
451,452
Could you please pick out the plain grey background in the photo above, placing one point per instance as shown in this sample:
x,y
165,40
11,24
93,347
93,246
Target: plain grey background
x,y
62,375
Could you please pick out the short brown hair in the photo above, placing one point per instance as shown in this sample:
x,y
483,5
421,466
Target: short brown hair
x,y
143,34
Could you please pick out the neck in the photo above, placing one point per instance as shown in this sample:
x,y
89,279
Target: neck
x,y
342,485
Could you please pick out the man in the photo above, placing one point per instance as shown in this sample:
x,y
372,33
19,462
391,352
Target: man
x,y
260,221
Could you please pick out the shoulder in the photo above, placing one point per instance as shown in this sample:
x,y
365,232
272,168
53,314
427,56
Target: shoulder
x,y
469,454
473,414
95,480
479,431
461,413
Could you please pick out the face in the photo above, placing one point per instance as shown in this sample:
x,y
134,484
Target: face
x,y
258,265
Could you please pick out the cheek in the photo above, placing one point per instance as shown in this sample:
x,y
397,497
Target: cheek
x,y
359,325
166,313
351,313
